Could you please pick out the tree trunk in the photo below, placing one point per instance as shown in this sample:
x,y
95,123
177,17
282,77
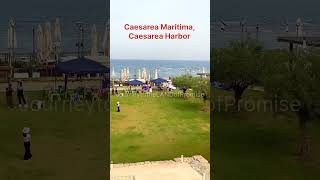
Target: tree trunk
x,y
238,91
304,139
274,108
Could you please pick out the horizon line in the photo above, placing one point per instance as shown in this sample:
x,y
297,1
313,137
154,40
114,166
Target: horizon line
x,y
161,59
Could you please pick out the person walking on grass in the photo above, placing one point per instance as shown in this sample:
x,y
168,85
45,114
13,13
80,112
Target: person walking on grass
x,y
112,91
20,94
27,144
9,92
118,106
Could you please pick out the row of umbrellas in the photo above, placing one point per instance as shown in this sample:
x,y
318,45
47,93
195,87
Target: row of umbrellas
x,y
48,39
136,82
125,74
95,41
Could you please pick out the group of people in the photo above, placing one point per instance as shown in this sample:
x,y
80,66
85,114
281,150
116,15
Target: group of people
x,y
114,91
20,95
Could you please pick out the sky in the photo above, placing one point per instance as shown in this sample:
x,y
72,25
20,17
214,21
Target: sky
x,y
140,12
270,13
269,8
25,8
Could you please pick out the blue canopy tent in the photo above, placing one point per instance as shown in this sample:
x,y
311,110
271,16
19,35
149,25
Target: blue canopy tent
x,y
80,66
135,83
159,81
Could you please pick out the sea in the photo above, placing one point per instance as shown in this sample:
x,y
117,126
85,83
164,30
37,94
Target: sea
x,y
165,68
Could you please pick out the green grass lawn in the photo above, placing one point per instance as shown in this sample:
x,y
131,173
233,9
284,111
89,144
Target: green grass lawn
x,y
254,145
158,128
65,145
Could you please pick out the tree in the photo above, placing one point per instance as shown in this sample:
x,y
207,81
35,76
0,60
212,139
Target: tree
x,y
201,85
274,64
295,77
237,66
183,82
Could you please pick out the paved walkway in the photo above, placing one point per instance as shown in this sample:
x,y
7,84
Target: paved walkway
x,y
192,168
173,171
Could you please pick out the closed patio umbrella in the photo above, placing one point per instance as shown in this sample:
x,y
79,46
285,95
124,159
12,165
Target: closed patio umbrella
x,y
94,41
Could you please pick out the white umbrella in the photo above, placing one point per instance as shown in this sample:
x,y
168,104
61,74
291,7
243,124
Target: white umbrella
x,y
113,73
94,41
156,74
128,73
12,38
57,31
56,36
39,43
299,25
139,74
122,75
144,74
47,40
106,42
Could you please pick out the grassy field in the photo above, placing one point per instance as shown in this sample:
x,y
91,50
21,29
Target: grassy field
x,y
254,145
65,145
158,128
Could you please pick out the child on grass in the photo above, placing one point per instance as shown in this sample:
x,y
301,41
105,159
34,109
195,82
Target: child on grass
x,y
26,141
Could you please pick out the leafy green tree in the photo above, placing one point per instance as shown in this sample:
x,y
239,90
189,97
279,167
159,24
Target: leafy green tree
x,y
183,82
274,64
201,85
295,77
237,66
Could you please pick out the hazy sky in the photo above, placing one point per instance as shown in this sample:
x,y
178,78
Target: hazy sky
x,y
27,8
269,8
192,12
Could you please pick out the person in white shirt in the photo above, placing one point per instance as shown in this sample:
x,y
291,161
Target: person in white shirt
x,y
26,141
118,106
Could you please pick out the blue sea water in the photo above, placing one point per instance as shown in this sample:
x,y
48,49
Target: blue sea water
x,y
166,68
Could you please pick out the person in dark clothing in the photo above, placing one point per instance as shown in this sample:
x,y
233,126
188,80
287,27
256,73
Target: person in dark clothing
x,y
27,144
118,106
116,91
9,92
112,91
184,90
20,94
